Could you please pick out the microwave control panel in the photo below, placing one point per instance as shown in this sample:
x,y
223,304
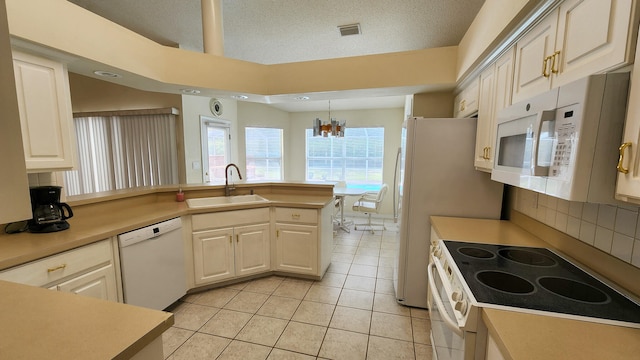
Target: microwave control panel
x,y
566,134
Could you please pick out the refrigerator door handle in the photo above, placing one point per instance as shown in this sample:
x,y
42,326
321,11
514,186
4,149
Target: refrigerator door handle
x,y
396,191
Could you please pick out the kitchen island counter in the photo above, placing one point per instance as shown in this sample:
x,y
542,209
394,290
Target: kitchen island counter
x,y
523,336
124,211
42,324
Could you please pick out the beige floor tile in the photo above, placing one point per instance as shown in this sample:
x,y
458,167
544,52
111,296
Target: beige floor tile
x,y
226,323
368,251
363,283
423,352
239,285
363,270
419,313
344,258
366,260
247,301
421,330
387,261
384,286
201,347
332,279
216,298
340,344
339,268
292,288
303,338
315,313
345,249
387,303
356,299
173,338
192,316
239,350
384,349
265,285
279,354
323,294
371,243
348,241
279,307
385,272
345,318
388,252
262,330
391,326
388,245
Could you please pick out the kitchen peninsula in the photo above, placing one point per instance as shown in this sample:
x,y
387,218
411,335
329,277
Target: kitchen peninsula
x,y
73,325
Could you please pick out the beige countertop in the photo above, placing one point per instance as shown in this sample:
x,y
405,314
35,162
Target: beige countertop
x,y
523,336
42,324
98,221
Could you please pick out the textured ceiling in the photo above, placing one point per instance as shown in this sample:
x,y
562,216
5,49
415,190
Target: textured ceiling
x,y
282,31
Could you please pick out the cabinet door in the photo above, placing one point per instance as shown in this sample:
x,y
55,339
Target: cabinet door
x,y
213,255
466,103
44,104
592,37
252,249
531,52
485,118
100,284
297,248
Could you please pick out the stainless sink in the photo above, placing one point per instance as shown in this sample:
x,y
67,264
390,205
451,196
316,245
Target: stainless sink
x,y
221,201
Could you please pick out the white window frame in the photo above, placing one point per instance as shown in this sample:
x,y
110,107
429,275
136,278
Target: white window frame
x,y
281,158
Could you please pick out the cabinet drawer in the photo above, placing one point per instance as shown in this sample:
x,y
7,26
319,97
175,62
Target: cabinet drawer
x,y
229,218
294,215
53,268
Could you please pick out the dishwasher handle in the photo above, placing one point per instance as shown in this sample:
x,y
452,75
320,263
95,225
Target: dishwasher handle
x,y
148,232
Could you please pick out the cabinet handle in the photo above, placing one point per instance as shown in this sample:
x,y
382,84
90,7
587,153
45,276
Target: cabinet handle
x,y
59,267
463,105
237,237
554,69
295,216
230,239
544,66
621,167
484,153
277,233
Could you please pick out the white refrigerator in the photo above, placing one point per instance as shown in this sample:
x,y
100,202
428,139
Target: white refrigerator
x,y
435,175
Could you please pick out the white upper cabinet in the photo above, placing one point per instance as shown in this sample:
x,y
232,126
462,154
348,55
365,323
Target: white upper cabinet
x,y
495,94
44,104
466,103
580,38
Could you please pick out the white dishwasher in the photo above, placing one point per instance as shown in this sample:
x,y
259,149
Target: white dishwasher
x,y
153,266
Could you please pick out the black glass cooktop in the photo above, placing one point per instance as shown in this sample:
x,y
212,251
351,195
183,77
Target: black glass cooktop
x,y
537,279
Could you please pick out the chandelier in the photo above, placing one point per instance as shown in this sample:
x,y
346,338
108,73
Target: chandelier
x,y
333,127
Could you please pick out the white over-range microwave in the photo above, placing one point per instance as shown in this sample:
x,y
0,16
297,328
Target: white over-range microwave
x,y
564,142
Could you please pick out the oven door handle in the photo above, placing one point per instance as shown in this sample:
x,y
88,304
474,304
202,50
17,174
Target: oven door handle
x,y
451,324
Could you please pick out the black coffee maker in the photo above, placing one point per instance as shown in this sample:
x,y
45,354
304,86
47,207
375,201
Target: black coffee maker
x,y
48,212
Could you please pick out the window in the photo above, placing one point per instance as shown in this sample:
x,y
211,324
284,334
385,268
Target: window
x,y
123,151
356,158
216,148
264,153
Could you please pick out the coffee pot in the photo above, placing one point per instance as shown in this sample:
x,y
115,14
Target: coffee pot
x,y
49,214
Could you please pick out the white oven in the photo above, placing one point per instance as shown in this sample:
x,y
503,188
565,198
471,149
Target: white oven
x,y
457,331
564,142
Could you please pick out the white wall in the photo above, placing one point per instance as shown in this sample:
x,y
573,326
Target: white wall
x,y
192,108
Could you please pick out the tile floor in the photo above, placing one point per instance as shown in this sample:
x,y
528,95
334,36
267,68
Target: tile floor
x,y
350,314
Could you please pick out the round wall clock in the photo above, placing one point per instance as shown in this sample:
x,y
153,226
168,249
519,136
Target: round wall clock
x,y
216,107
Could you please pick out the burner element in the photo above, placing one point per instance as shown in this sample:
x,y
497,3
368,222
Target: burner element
x,y
505,282
526,257
476,253
573,290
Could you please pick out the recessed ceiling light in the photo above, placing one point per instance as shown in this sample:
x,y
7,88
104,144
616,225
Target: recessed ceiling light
x,y
240,97
107,74
190,91
301,98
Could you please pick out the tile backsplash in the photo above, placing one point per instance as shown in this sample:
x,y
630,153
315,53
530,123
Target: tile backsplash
x,y
610,228
47,179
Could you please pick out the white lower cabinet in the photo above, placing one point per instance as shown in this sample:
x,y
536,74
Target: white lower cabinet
x,y
297,248
88,270
230,244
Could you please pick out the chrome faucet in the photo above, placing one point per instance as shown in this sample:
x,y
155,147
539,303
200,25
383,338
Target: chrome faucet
x,y
228,189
